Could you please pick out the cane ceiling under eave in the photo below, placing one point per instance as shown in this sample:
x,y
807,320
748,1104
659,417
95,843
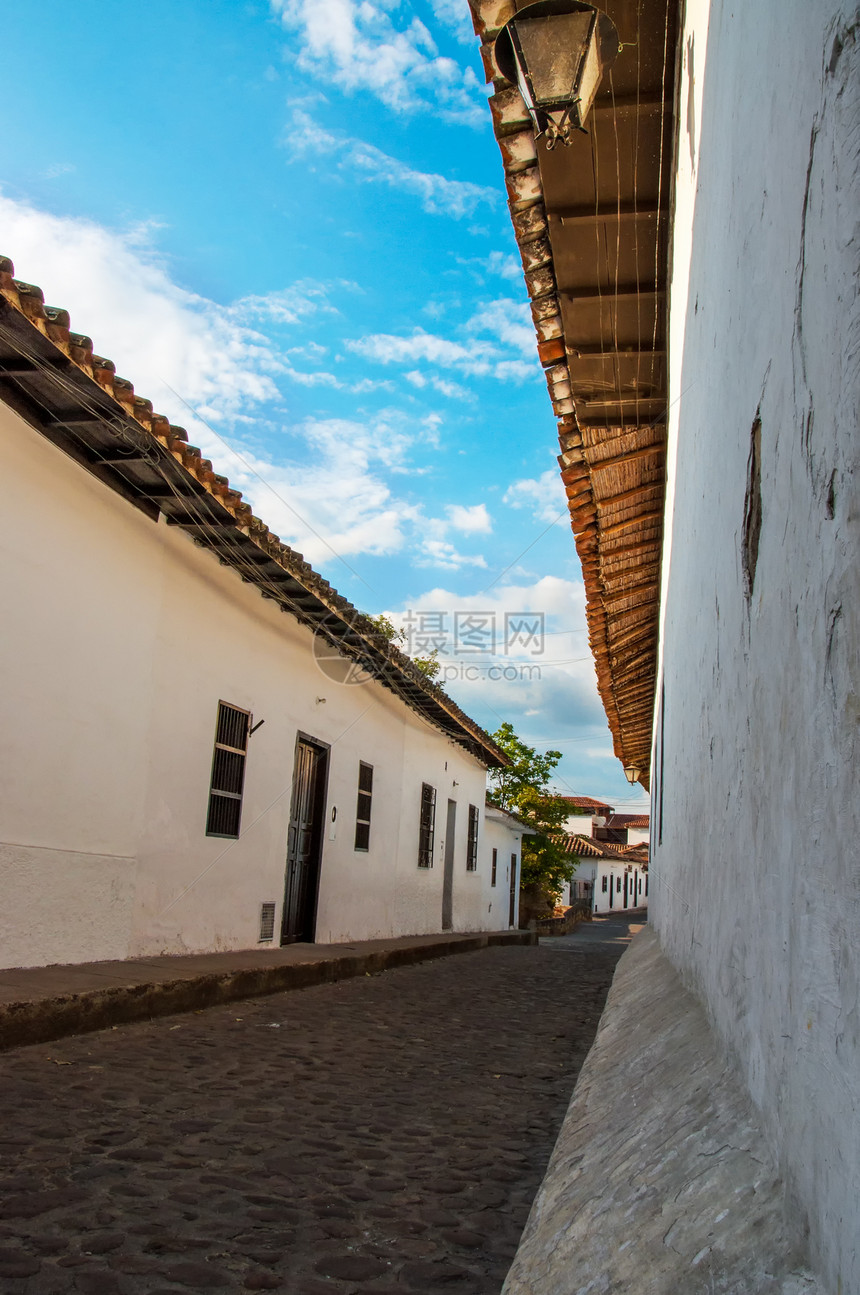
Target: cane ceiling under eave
x,y
591,222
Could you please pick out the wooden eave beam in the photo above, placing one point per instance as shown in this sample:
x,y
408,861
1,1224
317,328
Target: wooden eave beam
x,y
620,211
643,452
610,353
624,292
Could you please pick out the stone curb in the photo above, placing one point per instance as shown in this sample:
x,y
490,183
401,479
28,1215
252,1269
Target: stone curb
x,y
44,1020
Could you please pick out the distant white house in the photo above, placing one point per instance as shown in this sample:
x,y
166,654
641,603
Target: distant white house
x,y
583,810
503,833
611,875
202,745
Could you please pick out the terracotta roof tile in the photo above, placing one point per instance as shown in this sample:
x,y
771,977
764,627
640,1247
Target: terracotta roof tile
x,y
586,802
585,847
607,387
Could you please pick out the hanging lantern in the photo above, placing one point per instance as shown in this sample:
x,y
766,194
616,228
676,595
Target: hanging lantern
x,y
556,52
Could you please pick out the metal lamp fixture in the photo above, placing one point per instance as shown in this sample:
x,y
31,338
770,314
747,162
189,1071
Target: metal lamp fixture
x,y
632,772
556,52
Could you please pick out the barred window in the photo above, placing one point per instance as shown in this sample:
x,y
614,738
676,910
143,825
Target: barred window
x,y
427,826
494,867
228,771
604,886
472,843
362,809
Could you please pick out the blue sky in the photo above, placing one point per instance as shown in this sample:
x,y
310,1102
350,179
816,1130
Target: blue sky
x,y
286,223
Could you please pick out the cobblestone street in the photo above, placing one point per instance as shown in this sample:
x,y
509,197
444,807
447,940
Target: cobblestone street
x,y
376,1135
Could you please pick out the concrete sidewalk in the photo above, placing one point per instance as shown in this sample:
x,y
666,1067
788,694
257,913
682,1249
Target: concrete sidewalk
x,y
38,1004
661,1180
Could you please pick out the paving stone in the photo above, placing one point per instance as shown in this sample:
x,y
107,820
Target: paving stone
x,y
328,1157
100,1243
353,1268
427,1277
97,1282
461,1237
197,1275
22,1265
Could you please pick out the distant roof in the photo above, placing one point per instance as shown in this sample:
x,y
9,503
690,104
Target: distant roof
x,y
630,820
587,802
52,378
585,847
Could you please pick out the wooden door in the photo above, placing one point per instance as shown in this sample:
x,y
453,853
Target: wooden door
x,y
304,842
512,915
448,879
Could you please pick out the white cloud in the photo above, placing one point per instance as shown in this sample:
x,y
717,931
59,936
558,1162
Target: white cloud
x,y
439,195
451,389
289,306
388,348
441,553
118,289
544,495
509,321
499,263
56,169
499,342
454,15
320,486
471,520
507,267
355,45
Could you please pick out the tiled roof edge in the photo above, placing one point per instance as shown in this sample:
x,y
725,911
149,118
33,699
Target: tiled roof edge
x,y
54,324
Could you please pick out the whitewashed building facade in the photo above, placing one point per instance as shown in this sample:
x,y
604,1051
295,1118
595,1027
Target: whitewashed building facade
x,y
202,746
692,265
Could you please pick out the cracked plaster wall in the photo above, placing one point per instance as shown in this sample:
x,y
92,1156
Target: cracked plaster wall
x,y
756,880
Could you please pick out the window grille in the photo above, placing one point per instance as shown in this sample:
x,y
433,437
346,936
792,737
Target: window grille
x,y
494,868
363,806
267,922
604,887
472,844
427,826
228,771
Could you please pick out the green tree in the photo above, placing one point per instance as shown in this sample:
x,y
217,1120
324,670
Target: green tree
x,y
523,788
428,665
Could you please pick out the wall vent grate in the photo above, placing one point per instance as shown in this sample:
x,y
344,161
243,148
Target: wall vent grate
x,y
267,922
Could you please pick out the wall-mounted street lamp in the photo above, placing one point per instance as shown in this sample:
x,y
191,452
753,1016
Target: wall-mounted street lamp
x,y
632,772
556,52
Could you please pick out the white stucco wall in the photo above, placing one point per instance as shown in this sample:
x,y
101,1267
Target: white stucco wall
x,y
507,840
614,875
755,888
120,638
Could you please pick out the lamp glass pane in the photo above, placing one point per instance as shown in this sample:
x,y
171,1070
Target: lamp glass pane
x,y
553,49
592,71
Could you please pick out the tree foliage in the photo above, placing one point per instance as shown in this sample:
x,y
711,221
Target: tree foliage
x,y
523,788
428,665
